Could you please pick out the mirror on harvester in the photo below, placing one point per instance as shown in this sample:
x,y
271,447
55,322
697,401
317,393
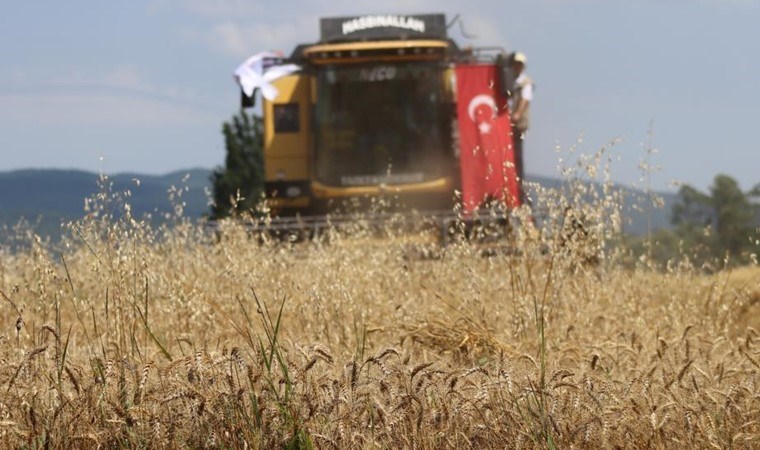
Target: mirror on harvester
x,y
246,101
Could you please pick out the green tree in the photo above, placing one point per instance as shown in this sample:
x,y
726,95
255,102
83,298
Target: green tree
x,y
238,185
733,215
726,210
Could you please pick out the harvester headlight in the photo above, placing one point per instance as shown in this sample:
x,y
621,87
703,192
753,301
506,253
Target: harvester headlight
x,y
292,191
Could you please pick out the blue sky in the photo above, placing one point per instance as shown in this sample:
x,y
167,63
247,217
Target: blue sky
x,y
144,85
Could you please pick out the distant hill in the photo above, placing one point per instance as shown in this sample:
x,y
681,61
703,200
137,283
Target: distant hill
x,y
48,197
635,212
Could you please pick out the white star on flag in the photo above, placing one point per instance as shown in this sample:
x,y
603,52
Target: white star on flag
x,y
253,74
484,128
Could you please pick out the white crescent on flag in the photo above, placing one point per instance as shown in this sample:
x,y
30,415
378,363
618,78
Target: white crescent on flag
x,y
482,99
255,74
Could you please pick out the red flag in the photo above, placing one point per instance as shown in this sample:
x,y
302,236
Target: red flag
x,y
486,156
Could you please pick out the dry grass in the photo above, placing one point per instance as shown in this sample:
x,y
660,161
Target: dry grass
x,y
171,339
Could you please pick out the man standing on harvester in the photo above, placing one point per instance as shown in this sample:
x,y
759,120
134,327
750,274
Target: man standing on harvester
x,y
519,107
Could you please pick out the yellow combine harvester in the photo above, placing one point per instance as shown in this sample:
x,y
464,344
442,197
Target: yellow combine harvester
x,y
370,114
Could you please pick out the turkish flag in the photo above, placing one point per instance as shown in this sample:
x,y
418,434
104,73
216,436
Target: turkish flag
x,y
486,154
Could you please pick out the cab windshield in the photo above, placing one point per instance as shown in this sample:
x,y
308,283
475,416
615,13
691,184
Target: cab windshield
x,y
381,123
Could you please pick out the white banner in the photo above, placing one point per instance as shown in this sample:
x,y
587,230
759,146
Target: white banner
x,y
259,71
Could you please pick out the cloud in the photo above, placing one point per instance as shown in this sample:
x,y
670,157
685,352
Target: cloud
x,y
358,7
736,2
240,28
13,75
124,77
123,95
483,30
228,38
240,41
247,9
95,109
215,9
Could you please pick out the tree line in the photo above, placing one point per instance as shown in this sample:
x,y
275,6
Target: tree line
x,y
238,186
722,223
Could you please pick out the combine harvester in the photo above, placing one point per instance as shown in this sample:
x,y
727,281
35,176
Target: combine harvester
x,y
384,109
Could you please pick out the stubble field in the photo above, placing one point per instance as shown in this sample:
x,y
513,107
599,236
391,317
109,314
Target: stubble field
x,y
121,336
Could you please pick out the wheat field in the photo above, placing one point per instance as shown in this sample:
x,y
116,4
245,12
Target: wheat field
x,y
125,336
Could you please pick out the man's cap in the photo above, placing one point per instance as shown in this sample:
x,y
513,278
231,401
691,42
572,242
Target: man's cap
x,y
520,57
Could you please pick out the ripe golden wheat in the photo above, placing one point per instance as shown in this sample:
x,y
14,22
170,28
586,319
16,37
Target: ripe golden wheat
x,y
177,337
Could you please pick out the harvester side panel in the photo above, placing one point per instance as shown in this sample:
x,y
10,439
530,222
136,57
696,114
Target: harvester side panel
x,y
287,143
